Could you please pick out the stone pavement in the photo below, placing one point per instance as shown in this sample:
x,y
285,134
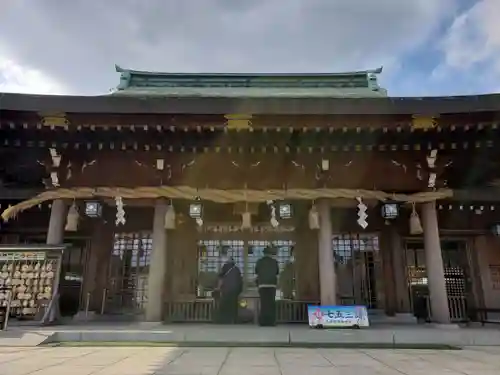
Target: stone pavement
x,y
242,361
197,335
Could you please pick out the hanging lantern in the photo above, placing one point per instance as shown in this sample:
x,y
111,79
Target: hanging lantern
x,y
495,229
415,224
170,218
390,211
285,210
246,220
196,210
313,218
93,209
72,219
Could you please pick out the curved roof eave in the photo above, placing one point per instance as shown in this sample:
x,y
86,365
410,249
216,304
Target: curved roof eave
x,y
224,105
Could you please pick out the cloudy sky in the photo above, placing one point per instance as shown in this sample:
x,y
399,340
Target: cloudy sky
x,y
427,47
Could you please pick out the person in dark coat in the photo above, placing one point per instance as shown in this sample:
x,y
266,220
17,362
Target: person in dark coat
x,y
267,271
229,287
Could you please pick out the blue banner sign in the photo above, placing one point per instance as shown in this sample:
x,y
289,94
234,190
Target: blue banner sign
x,y
337,316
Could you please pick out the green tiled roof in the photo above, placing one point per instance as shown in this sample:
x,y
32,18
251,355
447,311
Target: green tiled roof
x,y
349,84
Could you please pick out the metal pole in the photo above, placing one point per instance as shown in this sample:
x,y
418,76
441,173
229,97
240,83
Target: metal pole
x,y
87,305
103,302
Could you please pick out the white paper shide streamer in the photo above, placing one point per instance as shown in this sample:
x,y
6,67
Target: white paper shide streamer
x,y
274,222
362,215
120,212
431,162
199,221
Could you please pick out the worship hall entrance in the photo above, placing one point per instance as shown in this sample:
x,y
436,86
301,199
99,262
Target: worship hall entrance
x,y
358,269
216,242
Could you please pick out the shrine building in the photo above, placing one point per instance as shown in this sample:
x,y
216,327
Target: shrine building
x,y
366,199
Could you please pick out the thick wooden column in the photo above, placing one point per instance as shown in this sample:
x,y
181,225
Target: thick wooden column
x,y
306,261
158,265
434,265
389,302
55,236
327,279
96,272
55,232
400,270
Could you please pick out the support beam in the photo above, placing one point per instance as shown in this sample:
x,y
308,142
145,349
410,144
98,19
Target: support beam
x,y
158,265
327,277
55,236
18,193
434,265
487,194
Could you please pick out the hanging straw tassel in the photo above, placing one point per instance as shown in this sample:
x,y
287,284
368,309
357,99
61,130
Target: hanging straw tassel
x,y
313,218
415,224
72,219
170,218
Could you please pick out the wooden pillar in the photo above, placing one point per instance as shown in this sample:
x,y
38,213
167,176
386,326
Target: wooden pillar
x,y
96,272
158,265
327,279
55,232
400,270
388,270
434,265
306,261
55,236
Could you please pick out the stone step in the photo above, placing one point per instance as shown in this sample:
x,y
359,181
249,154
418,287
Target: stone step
x,y
22,338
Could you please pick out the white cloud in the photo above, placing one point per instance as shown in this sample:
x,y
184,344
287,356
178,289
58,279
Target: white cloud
x,y
473,42
78,41
16,78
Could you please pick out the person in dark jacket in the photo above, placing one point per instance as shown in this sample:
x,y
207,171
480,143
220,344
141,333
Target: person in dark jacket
x,y
229,286
267,271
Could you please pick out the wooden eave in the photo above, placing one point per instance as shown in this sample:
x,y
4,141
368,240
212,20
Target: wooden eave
x,y
427,106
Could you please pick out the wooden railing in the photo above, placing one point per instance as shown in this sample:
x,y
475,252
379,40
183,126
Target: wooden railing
x,y
292,311
197,311
201,311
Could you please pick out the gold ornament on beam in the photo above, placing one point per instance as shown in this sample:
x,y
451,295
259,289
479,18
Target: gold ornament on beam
x,y
54,119
238,121
423,122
